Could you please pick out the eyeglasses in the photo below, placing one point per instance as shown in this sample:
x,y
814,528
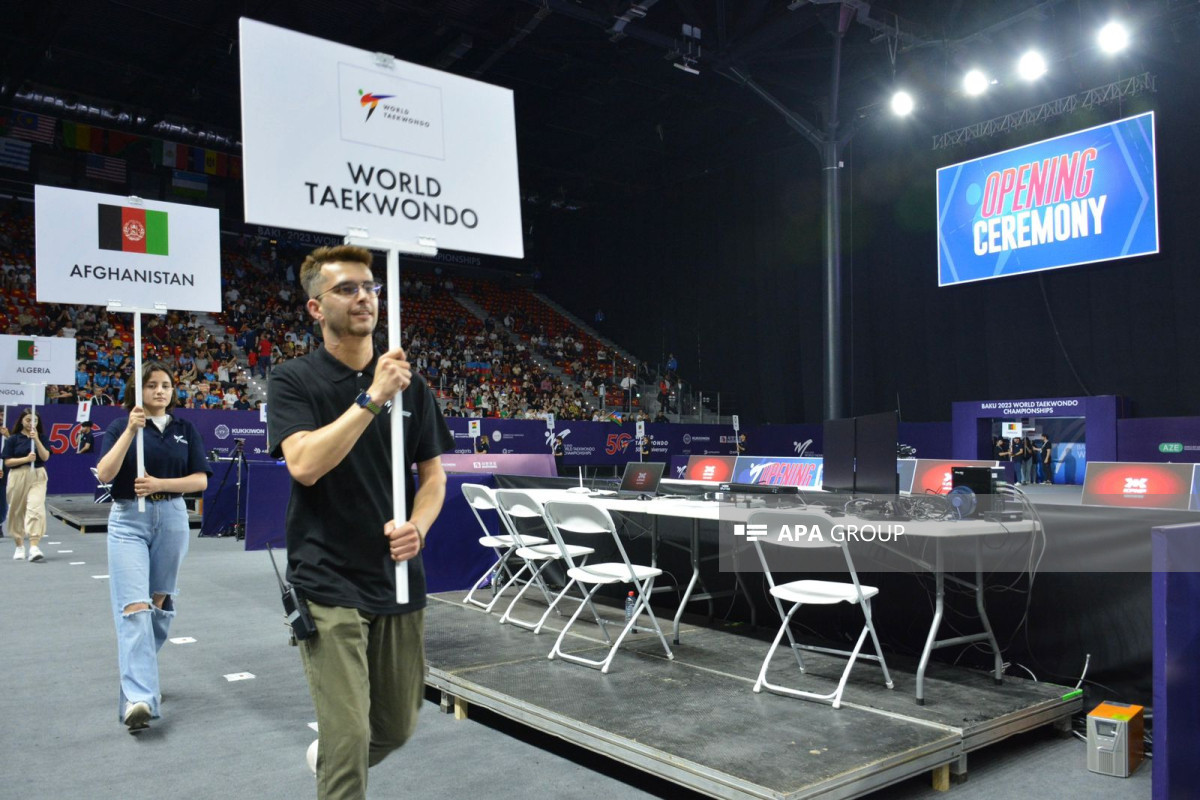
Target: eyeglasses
x,y
350,289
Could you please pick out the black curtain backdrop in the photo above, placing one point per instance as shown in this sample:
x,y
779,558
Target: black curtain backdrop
x,y
724,269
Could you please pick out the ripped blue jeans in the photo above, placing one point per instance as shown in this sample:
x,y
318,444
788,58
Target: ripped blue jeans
x,y
145,551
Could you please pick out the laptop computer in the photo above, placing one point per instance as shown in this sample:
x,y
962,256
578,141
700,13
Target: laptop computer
x,y
641,478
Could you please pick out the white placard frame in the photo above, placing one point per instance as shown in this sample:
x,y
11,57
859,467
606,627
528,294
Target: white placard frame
x,y
431,141
73,267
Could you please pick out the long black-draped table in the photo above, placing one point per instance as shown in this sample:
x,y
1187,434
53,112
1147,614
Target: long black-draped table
x,y
938,532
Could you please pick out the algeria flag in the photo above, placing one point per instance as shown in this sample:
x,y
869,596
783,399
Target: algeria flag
x,y
27,350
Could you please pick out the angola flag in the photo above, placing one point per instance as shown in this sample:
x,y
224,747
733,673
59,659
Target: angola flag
x,y
132,230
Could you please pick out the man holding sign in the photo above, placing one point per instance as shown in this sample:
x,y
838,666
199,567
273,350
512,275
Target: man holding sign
x,y
330,415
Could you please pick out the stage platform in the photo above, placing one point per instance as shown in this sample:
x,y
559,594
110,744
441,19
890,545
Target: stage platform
x,y
696,721
82,512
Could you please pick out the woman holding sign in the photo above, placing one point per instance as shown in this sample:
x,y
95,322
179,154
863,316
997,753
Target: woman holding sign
x,y
146,547
25,460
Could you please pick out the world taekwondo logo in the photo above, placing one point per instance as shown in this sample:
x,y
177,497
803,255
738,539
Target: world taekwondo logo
x,y
390,112
756,470
370,101
221,431
551,436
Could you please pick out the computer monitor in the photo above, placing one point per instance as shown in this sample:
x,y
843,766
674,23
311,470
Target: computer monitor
x,y
642,477
875,454
838,454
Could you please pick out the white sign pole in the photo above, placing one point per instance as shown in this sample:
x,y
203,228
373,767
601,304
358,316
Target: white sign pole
x,y
399,460
137,397
33,439
115,306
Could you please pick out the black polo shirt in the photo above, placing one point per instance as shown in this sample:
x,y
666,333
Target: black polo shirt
x,y
18,446
174,452
337,553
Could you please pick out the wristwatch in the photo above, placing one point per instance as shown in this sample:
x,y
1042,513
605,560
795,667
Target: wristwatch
x,y
364,401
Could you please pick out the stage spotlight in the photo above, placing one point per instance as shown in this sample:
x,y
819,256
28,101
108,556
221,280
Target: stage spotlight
x,y
1031,66
975,83
902,103
1113,37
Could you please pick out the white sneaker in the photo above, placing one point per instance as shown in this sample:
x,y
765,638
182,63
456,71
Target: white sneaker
x,y
311,756
35,553
20,554
137,716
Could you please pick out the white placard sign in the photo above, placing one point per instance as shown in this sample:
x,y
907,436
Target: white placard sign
x,y
83,411
473,429
96,248
334,138
37,359
15,394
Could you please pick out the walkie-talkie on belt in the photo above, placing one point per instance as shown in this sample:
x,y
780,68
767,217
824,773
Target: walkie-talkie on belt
x,y
295,607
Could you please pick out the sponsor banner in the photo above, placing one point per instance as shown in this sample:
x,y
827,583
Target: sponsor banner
x,y
716,469
15,394
223,430
1075,199
37,359
696,440
70,472
1140,485
805,472
346,138
93,249
591,443
539,466
1160,439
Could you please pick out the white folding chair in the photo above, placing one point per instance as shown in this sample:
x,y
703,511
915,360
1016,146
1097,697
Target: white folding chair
x,y
581,517
515,505
814,592
107,487
481,498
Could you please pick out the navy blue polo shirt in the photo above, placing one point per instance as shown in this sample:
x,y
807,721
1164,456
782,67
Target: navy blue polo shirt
x,y
18,446
176,452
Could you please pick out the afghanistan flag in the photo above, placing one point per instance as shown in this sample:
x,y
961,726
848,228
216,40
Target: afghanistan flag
x,y
132,230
